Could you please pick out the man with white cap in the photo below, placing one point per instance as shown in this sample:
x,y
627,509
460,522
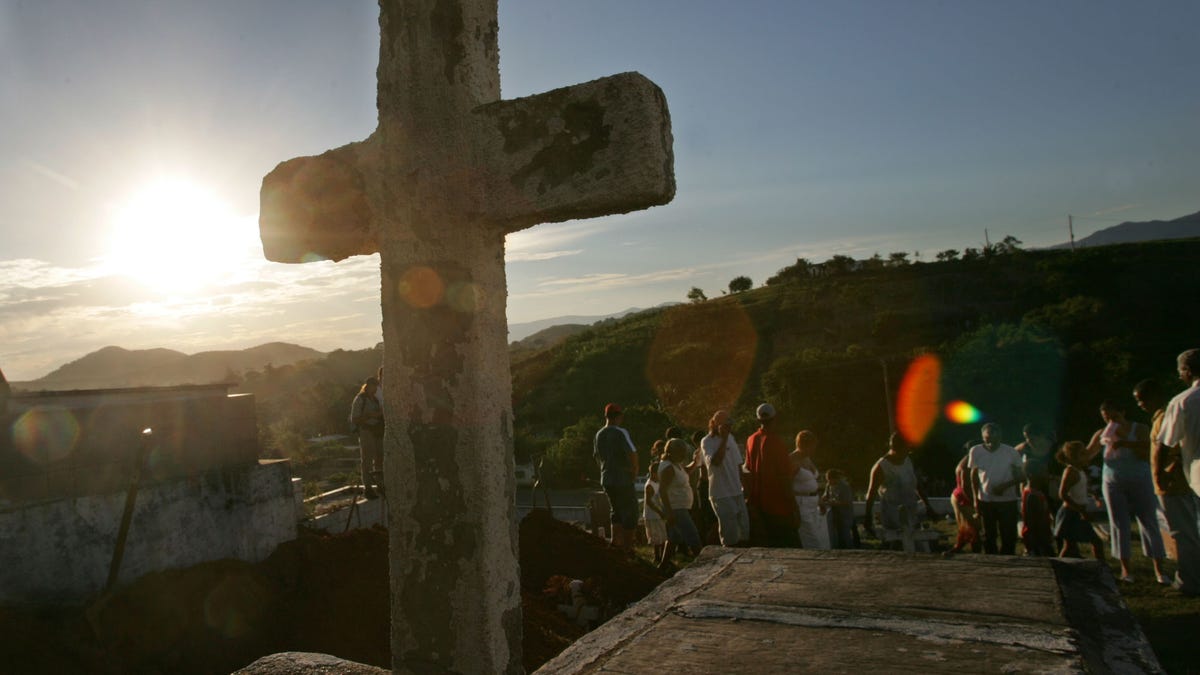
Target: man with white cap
x,y
770,481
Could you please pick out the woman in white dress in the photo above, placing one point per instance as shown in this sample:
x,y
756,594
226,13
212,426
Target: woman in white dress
x,y
814,530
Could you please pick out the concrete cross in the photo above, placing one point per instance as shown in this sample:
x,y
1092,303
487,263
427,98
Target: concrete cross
x,y
448,172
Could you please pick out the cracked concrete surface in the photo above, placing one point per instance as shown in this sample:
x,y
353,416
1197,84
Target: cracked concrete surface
x,y
771,610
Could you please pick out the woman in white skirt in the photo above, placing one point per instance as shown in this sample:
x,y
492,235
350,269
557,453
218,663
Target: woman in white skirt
x,y
814,530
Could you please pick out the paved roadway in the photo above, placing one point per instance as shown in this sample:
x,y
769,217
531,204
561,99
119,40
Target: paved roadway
x,y
567,504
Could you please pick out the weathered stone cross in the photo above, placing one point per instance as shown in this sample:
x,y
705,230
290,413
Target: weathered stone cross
x,y
450,170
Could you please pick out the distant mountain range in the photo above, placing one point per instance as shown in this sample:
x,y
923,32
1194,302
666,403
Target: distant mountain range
x,y
114,367
519,331
1127,232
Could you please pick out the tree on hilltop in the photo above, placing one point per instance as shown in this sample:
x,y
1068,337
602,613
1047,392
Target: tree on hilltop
x,y
740,284
948,255
696,295
803,269
841,264
1009,244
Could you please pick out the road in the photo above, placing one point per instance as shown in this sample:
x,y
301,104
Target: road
x,y
568,504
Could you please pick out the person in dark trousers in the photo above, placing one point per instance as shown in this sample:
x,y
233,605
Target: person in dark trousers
x,y
614,451
996,478
366,417
770,474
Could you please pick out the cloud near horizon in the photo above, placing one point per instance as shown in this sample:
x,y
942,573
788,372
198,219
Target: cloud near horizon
x,y
53,314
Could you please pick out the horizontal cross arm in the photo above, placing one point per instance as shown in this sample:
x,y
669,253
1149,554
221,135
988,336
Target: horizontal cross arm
x,y
593,149
315,208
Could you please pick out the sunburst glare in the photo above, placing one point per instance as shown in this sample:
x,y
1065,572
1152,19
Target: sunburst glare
x,y
176,235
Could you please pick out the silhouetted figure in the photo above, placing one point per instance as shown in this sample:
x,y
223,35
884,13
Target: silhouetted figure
x,y
366,415
613,449
770,476
540,482
1180,437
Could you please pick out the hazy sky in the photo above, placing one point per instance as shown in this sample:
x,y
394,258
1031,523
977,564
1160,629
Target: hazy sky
x,y
135,135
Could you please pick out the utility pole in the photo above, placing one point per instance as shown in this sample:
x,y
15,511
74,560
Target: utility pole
x,y
987,243
887,397
1071,229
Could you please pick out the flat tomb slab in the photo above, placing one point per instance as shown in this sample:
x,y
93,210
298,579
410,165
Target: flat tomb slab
x,y
774,610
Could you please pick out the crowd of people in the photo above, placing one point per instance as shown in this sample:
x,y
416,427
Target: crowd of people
x,y
715,490
1054,500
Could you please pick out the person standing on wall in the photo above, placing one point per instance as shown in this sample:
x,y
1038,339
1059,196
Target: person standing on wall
x,y
366,417
614,451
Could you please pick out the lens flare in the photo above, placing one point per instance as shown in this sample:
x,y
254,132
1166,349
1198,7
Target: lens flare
x,y
465,297
700,359
46,434
961,412
918,399
422,287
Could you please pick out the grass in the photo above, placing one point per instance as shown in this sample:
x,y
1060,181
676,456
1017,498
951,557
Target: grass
x,y
1170,621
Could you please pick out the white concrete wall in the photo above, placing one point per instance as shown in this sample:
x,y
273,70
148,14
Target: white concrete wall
x,y
59,552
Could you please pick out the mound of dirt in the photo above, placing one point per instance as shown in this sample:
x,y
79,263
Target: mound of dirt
x,y
551,547
319,593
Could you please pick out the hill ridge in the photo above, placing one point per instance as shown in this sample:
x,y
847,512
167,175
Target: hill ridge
x,y
115,366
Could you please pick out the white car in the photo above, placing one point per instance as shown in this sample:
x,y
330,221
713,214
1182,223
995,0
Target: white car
x,y
524,475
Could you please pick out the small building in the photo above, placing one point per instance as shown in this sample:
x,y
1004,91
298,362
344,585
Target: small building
x,y
77,469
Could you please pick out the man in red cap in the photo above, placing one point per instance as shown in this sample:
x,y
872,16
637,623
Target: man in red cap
x,y
614,451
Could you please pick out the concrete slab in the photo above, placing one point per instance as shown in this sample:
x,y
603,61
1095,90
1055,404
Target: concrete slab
x,y
772,610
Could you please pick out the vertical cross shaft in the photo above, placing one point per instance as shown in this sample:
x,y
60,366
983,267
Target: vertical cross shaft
x,y
449,170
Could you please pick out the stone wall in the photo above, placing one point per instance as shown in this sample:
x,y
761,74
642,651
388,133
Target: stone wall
x,y
58,552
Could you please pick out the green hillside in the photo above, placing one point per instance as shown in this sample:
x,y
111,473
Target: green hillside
x,y
1024,336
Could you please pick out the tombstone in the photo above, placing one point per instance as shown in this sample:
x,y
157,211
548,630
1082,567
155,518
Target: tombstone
x,y
763,610
449,171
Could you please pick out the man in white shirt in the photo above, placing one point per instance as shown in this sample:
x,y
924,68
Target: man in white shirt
x,y
723,459
996,478
1180,431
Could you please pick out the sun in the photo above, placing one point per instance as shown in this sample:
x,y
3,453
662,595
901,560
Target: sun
x,y
175,235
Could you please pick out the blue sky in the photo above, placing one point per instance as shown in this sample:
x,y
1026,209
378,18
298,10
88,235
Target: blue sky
x,y
801,129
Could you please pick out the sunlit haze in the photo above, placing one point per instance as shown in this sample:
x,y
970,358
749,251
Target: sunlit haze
x,y
173,234
136,136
